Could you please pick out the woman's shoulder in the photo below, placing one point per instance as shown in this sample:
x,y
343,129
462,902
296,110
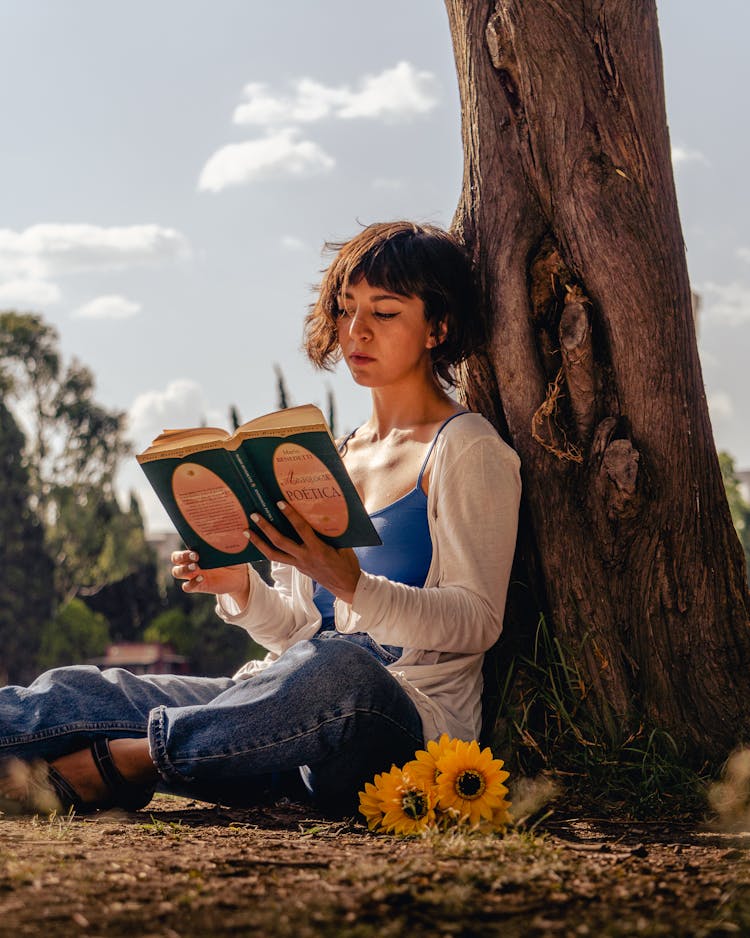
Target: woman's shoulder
x,y
468,429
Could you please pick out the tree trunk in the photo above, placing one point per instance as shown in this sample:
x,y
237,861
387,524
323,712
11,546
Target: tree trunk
x,y
569,210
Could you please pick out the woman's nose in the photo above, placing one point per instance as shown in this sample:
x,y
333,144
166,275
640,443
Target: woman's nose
x,y
358,326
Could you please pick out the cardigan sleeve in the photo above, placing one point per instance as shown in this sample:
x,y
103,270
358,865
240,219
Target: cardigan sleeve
x,y
474,525
273,616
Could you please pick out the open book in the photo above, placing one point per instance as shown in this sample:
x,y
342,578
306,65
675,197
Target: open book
x,y
211,481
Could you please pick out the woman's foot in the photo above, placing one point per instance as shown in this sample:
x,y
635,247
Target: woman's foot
x,y
108,774
130,758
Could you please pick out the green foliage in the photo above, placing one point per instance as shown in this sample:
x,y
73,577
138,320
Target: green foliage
x,y
544,724
173,627
26,596
123,547
72,450
739,508
212,647
73,635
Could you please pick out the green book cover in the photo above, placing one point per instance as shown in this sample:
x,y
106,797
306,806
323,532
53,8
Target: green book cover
x,y
211,481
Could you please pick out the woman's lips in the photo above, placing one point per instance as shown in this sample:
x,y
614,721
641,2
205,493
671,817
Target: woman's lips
x,y
357,358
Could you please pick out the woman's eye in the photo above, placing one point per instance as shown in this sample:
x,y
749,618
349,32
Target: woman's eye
x,y
340,313
384,315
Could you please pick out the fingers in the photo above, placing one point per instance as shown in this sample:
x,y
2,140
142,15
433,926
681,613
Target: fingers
x,y
184,556
274,537
265,547
186,566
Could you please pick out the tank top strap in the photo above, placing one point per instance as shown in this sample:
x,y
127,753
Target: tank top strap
x,y
434,441
346,439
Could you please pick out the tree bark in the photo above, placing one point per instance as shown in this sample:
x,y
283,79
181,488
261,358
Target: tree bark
x,y
569,209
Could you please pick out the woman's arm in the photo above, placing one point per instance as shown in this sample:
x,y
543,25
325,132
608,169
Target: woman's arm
x,y
476,499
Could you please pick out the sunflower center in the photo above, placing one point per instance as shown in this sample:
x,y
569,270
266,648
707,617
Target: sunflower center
x,y
414,804
470,784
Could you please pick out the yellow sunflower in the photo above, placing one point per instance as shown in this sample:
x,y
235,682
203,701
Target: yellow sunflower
x,y
407,807
470,782
500,818
423,768
371,803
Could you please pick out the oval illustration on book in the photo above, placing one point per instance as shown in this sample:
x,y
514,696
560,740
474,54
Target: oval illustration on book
x,y
210,507
309,487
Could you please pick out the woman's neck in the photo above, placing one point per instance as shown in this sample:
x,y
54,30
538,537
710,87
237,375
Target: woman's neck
x,y
393,409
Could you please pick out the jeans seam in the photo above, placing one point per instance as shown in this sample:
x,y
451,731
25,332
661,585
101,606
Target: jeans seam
x,y
70,729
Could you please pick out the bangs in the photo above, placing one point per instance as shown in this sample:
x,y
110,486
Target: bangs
x,y
391,265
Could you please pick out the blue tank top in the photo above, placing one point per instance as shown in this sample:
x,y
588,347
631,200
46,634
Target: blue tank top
x,y
406,551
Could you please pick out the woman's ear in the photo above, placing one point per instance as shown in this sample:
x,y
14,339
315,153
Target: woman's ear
x,y
438,334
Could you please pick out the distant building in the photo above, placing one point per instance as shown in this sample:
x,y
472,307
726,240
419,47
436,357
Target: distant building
x,y
143,658
162,544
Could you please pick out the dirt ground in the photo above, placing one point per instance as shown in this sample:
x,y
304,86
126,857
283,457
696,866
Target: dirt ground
x,y
184,868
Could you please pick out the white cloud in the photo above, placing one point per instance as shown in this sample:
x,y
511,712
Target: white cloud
x,y
109,306
397,93
744,254
181,404
292,243
28,293
682,155
51,249
277,154
720,405
728,302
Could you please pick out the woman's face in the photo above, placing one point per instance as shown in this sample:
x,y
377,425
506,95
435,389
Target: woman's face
x,y
384,336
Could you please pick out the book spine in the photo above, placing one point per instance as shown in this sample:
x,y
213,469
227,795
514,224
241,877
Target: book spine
x,y
263,504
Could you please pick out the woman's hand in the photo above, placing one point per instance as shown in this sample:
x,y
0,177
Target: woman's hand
x,y
336,570
234,580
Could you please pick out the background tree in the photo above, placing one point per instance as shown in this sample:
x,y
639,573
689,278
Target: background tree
x,y
738,507
234,417
26,592
213,647
75,634
331,405
73,449
569,209
282,394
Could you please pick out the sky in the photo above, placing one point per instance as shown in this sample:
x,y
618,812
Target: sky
x,y
170,170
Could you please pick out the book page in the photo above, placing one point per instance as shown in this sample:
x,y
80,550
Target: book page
x,y
306,415
210,507
173,440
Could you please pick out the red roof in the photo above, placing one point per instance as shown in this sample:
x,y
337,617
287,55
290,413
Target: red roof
x,y
140,653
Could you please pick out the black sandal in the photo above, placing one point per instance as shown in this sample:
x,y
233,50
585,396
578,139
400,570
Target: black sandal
x,y
47,790
122,794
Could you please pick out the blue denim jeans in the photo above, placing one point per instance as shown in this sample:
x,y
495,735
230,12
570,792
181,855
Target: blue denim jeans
x,y
327,710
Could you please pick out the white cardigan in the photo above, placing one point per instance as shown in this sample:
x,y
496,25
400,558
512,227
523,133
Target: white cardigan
x,y
445,626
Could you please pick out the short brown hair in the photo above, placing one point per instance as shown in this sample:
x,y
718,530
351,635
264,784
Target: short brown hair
x,y
410,259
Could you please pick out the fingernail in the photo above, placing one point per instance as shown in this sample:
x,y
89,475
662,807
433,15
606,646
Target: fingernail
x,y
192,566
282,505
193,556
247,534
199,579
255,518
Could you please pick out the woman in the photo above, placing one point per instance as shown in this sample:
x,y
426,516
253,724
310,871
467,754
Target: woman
x,y
371,651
